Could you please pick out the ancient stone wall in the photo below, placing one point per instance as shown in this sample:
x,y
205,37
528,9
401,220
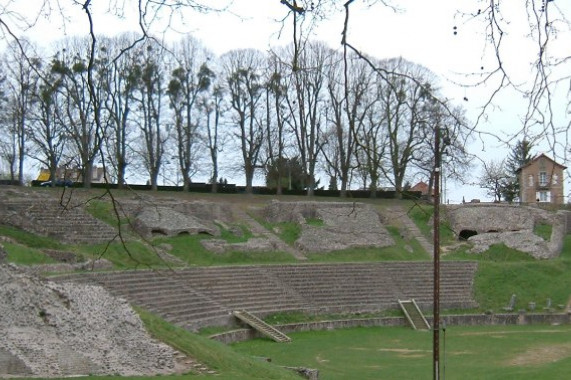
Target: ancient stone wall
x,y
241,335
345,225
512,225
171,217
482,218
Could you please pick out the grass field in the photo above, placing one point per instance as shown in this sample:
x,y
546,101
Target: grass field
x,y
483,352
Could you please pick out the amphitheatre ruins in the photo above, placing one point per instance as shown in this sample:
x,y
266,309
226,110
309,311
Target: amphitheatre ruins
x,y
79,321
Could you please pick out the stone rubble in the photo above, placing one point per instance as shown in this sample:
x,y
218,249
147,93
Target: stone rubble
x,y
70,329
345,225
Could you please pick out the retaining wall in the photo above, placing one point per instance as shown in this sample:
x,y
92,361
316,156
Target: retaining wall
x,y
450,320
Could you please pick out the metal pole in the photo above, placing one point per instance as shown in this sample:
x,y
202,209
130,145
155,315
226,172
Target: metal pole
x,y
444,349
436,300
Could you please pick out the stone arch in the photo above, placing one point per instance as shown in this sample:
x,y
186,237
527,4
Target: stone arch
x,y
465,234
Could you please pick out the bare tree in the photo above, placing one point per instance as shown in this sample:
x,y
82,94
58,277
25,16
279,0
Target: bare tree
x,y
48,134
120,85
276,87
402,101
243,69
189,79
306,106
349,88
454,134
21,65
83,105
212,108
493,177
150,116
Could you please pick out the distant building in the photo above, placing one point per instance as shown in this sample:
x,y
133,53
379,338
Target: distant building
x,y
422,187
73,174
541,180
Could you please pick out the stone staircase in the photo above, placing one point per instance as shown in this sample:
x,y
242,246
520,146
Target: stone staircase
x,y
51,217
258,230
401,215
204,296
413,315
261,326
13,365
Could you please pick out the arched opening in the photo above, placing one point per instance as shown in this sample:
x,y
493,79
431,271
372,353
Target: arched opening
x,y
183,233
490,231
158,232
465,234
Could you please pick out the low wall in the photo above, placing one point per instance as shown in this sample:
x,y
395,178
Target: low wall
x,y
450,320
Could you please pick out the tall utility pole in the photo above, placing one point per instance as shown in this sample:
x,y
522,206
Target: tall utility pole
x,y
436,300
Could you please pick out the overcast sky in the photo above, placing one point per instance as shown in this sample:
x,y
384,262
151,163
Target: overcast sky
x,y
420,31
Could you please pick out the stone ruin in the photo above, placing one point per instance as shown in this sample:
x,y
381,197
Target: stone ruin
x,y
70,329
345,225
172,218
484,225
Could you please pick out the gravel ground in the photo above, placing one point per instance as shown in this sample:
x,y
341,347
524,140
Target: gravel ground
x,y
54,330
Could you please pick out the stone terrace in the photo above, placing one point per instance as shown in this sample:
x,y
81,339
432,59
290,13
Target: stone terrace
x,y
198,297
48,216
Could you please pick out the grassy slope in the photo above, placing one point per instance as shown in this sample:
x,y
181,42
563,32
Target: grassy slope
x,y
228,363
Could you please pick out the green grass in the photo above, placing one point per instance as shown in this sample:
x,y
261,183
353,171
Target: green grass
x,y
530,281
503,272
103,210
130,255
316,222
287,231
189,249
27,247
421,215
227,362
22,255
29,239
230,237
543,231
484,352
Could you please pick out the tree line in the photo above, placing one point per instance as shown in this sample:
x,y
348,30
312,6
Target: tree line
x,y
297,111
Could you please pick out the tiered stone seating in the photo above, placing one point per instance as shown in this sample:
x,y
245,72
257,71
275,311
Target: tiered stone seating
x,y
339,287
12,364
416,280
456,284
197,297
49,217
252,288
163,293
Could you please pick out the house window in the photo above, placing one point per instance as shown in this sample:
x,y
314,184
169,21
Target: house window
x,y
543,196
530,180
542,178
